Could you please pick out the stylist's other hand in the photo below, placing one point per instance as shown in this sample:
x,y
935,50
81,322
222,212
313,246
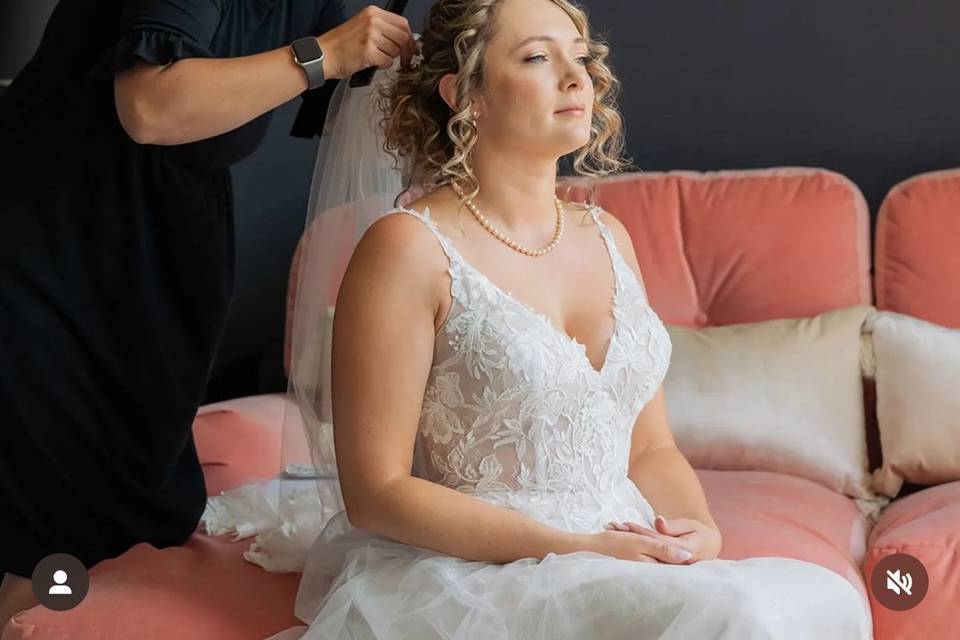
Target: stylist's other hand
x,y
372,38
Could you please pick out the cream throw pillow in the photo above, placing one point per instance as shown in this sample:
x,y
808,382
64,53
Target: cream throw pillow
x,y
781,395
918,400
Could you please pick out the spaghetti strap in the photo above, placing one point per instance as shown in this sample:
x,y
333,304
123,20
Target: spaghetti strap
x,y
622,270
425,218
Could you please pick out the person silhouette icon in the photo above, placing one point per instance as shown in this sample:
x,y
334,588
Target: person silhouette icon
x,y
57,595
61,588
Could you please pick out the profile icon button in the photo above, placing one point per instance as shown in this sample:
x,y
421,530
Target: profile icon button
x,y
60,582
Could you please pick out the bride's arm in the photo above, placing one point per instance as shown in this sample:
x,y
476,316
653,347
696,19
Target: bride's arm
x,y
661,471
383,340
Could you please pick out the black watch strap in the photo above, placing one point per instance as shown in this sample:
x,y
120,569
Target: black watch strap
x,y
308,54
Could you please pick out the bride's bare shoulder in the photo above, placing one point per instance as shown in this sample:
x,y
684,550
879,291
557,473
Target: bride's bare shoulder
x,y
398,246
443,207
397,267
397,238
398,229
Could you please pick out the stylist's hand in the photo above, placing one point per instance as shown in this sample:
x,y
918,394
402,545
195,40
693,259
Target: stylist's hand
x,y
701,539
372,38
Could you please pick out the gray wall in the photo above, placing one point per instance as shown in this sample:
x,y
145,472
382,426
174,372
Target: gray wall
x,y
21,24
864,87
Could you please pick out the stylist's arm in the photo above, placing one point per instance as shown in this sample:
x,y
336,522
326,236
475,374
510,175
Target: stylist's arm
x,y
197,98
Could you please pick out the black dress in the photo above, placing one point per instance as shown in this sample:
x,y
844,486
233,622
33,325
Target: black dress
x,y
116,272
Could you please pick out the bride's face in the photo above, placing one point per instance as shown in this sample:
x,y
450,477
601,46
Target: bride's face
x,y
535,67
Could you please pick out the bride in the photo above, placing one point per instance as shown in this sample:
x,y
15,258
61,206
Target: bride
x,y
505,461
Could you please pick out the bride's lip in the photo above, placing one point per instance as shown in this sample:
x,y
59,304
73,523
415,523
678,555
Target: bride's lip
x,y
573,111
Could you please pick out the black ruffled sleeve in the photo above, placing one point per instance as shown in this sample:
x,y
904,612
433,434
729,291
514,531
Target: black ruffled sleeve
x,y
313,109
161,32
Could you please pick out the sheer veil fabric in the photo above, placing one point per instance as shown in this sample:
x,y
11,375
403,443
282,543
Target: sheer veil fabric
x,y
355,182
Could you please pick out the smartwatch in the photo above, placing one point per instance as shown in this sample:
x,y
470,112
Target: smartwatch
x,y
308,54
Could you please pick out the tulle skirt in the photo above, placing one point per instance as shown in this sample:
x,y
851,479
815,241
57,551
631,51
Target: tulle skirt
x,y
358,585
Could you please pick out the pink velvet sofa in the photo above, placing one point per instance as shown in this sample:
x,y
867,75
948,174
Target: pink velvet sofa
x,y
704,242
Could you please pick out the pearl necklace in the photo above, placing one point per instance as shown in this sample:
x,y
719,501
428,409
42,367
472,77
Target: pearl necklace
x,y
511,243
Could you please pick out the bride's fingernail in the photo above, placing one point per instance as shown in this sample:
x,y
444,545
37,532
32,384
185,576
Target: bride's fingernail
x,y
682,554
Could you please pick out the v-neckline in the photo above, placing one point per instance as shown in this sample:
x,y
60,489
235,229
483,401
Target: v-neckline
x,y
542,317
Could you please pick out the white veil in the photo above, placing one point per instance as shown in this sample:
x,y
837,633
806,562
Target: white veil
x,y
355,182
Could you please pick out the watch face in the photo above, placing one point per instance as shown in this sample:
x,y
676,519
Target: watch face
x,y
307,49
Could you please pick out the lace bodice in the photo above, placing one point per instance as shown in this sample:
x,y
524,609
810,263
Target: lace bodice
x,y
515,413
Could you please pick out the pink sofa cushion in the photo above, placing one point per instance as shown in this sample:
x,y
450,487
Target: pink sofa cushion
x,y
763,513
203,590
236,446
925,524
917,262
248,439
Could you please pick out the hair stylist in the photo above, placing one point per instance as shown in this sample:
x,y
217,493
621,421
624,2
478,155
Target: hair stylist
x,y
116,250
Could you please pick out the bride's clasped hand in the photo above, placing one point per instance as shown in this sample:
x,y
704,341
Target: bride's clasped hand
x,y
675,541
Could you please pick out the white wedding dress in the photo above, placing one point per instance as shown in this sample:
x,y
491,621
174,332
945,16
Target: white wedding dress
x,y
515,414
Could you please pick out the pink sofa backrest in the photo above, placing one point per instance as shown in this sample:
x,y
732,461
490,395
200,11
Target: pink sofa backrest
x,y
724,247
917,258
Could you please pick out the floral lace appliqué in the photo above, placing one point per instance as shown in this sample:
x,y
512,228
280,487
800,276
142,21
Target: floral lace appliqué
x,y
515,413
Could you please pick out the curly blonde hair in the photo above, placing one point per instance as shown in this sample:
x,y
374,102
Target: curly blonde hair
x,y
417,123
